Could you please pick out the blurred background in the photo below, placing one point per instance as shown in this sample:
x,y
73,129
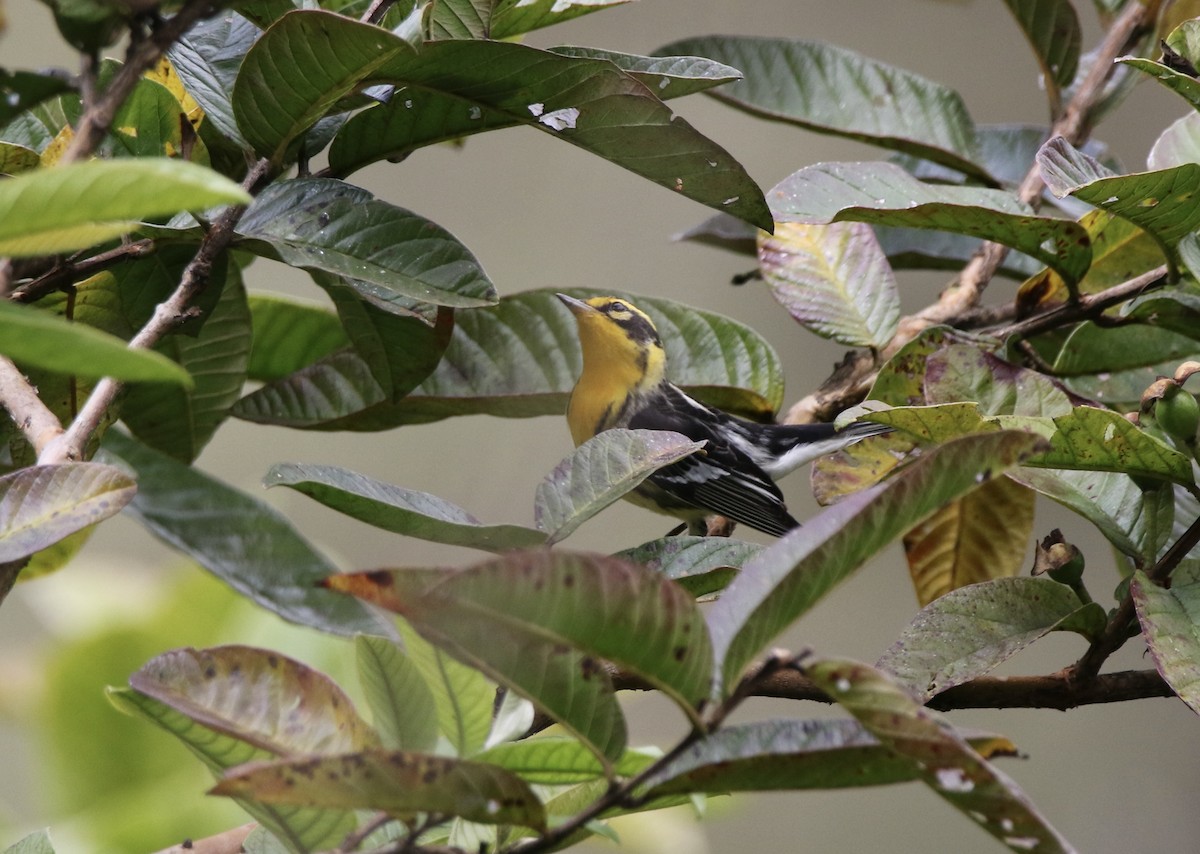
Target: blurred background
x,y
541,214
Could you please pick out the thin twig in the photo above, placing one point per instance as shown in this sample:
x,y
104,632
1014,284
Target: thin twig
x,y
144,51
167,315
69,272
853,378
1117,631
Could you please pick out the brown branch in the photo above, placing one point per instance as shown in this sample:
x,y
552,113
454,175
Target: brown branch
x,y
68,272
1119,626
1052,691
145,49
167,315
852,379
33,418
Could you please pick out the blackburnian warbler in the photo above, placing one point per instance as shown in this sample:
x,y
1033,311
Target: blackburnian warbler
x,y
624,384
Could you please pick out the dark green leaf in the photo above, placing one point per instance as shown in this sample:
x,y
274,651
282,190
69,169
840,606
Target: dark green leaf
x,y
612,609
207,58
556,761
700,565
244,542
589,103
513,17
289,335
833,90
23,90
403,511
1052,28
180,422
666,76
329,226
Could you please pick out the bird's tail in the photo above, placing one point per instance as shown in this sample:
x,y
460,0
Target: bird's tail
x,y
792,445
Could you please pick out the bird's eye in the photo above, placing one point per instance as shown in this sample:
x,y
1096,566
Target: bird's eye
x,y
617,307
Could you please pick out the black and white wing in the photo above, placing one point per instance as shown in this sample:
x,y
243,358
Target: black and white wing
x,y
721,478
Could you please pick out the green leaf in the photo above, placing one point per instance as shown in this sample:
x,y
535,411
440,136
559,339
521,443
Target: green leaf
x,y
396,782
181,422
959,372
37,842
38,339
241,540
1181,83
787,755
604,606
600,471
48,211
39,506
570,686
968,632
17,158
1052,28
402,706
462,696
207,58
1170,620
788,578
833,90
513,17
884,194
22,90
1177,145
833,279
357,389
589,103
700,565
1162,203
402,511
557,761
533,361
666,76
941,756
329,226
257,696
289,335
417,117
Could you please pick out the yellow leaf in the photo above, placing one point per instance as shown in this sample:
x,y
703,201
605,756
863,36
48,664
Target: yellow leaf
x,y
164,74
979,537
57,146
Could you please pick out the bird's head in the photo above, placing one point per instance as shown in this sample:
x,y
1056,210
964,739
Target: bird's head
x,y
616,336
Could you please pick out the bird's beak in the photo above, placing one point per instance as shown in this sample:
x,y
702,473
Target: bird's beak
x,y
577,306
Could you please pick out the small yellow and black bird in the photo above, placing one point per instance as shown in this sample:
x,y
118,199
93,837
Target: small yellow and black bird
x,y
624,384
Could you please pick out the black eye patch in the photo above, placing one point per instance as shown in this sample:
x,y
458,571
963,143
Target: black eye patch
x,y
617,307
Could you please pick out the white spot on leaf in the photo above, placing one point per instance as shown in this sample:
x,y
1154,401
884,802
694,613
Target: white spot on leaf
x,y
560,119
537,109
954,780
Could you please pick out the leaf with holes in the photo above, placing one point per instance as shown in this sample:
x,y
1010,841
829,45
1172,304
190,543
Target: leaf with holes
x,y
787,755
941,756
